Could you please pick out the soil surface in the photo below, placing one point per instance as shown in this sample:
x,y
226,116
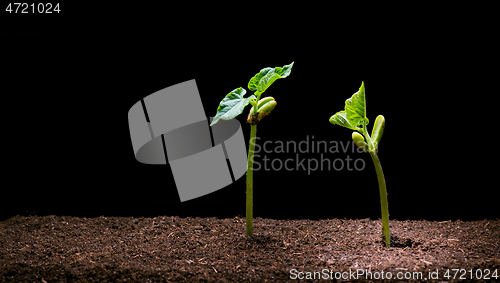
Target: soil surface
x,y
173,249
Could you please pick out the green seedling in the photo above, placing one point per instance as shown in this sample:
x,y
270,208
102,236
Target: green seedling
x,y
354,117
233,105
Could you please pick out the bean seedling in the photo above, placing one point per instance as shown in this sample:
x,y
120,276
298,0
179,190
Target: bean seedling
x,y
354,117
233,104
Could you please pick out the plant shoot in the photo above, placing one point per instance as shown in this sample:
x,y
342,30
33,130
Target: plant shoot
x,y
354,117
233,105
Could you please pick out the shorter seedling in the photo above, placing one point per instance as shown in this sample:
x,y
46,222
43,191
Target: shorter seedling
x,y
354,117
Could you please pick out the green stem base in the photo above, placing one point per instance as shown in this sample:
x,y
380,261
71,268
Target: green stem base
x,y
249,206
383,198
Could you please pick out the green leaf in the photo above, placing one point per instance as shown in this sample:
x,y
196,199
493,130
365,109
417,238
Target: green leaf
x,y
285,71
354,113
340,118
254,81
232,105
262,80
355,106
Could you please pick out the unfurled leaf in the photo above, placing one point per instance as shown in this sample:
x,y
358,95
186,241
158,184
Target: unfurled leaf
x,y
285,71
340,118
354,113
232,105
262,80
355,106
254,81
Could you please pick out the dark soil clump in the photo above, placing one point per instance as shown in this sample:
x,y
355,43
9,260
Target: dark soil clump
x,y
173,249
398,242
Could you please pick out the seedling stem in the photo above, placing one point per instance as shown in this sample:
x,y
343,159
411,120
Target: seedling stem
x,y
383,198
251,150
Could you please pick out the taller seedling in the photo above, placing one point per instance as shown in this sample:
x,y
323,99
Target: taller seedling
x,y
233,104
354,117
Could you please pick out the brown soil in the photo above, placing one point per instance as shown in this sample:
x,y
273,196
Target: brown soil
x,y
173,249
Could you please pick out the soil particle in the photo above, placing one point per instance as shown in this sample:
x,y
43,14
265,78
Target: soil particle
x,y
173,249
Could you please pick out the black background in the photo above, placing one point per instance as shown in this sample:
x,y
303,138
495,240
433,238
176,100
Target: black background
x,y
69,81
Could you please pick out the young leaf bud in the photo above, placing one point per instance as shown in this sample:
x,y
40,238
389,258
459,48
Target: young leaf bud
x,y
378,130
359,140
264,107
